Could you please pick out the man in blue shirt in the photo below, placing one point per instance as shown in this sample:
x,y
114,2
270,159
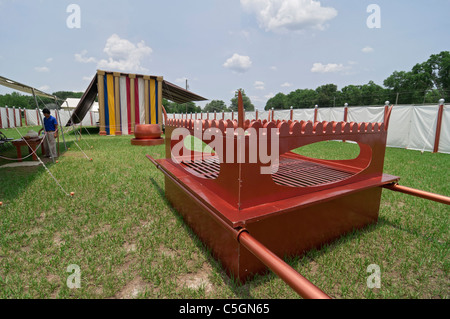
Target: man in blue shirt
x,y
51,133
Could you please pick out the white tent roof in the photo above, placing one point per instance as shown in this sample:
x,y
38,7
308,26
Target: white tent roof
x,y
22,87
73,103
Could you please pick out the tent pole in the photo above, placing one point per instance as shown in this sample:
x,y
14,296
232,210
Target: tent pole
x,y
37,106
62,131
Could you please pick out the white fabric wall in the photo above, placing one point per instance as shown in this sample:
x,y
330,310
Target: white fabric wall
x,y
423,128
411,126
18,116
374,114
250,115
10,113
399,126
4,118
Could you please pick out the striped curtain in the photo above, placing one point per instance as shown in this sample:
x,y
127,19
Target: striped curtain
x,y
129,101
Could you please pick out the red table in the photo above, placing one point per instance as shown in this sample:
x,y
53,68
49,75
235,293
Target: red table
x,y
32,144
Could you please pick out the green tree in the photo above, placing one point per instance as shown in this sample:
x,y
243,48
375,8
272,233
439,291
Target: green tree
x,y
215,105
326,95
278,102
302,98
248,106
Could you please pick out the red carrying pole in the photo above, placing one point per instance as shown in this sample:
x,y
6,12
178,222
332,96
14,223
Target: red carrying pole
x,y
419,193
297,282
300,284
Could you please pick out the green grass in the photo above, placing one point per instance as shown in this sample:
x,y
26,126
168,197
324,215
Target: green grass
x,y
130,243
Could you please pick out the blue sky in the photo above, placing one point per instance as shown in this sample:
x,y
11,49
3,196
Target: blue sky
x,y
262,46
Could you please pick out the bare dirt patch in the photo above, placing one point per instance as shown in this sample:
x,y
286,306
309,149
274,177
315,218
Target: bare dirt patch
x,y
133,289
197,280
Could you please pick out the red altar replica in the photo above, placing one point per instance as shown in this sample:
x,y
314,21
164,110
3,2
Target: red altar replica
x,y
290,204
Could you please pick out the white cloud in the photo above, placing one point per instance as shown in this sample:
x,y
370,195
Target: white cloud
x,y
269,96
87,78
327,68
122,54
286,85
49,60
41,69
81,57
293,15
238,63
367,49
259,85
273,68
181,80
44,88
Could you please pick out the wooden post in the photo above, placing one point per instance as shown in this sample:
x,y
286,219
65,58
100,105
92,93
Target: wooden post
x,y
256,115
101,100
1,125
292,113
438,125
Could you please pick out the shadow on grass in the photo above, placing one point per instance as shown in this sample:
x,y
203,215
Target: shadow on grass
x,y
241,290
15,180
384,221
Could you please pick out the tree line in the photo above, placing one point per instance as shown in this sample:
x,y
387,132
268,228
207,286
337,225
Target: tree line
x,y
27,101
426,82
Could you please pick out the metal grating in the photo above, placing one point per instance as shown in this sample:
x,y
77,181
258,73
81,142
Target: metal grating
x,y
207,168
291,172
300,173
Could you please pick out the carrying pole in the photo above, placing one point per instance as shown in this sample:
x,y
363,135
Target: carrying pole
x,y
419,193
297,282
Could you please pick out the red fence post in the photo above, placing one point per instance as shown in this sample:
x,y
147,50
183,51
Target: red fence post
x,y
1,125
292,113
438,125
345,115
15,116
7,116
315,113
